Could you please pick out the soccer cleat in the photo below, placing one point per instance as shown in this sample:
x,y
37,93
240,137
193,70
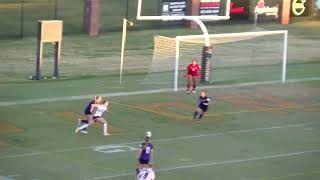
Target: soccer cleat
x,y
193,92
106,134
77,130
84,131
188,92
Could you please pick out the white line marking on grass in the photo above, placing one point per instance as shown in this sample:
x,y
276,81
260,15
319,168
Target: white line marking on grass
x,y
89,96
114,148
5,178
13,175
233,132
116,94
23,155
160,140
215,163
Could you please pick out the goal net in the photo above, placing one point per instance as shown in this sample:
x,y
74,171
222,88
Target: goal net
x,y
236,57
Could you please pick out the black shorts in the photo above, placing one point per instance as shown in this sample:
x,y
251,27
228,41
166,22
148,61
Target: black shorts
x,y
203,108
143,161
95,118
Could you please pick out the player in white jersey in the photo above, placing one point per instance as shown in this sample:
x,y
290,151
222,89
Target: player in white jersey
x,y
97,117
146,173
100,109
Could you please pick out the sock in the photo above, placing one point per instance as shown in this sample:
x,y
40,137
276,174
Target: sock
x,y
195,114
188,87
137,171
201,115
84,121
105,128
83,127
194,87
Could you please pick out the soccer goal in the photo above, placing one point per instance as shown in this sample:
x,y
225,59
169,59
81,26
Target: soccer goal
x,y
251,56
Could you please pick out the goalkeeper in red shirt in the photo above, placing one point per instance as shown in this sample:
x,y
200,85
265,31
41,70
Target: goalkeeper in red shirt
x,y
192,75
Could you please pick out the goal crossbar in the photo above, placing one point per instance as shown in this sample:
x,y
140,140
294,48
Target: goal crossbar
x,y
223,35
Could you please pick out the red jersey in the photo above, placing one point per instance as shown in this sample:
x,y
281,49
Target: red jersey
x,y
193,69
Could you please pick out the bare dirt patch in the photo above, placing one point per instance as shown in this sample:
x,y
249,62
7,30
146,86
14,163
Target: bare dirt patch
x,y
162,109
9,128
2,143
263,102
68,115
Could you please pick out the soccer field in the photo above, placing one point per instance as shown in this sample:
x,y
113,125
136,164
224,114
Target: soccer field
x,y
252,131
256,129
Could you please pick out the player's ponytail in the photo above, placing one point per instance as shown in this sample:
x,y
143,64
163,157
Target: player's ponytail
x,y
97,98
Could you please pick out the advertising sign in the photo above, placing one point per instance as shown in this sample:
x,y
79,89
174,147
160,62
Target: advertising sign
x,y
300,8
173,7
239,7
209,7
267,10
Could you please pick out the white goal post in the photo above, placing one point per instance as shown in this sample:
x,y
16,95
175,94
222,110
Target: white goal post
x,y
196,19
175,51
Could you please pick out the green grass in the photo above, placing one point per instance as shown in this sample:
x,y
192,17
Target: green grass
x,y
100,56
260,132
59,154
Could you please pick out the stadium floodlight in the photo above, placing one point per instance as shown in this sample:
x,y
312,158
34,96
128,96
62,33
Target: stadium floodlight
x,y
123,43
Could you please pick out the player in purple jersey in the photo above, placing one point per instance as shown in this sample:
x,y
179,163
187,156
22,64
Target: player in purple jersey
x,y
145,152
88,112
203,104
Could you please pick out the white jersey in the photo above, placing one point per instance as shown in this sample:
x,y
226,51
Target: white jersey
x,y
100,110
146,174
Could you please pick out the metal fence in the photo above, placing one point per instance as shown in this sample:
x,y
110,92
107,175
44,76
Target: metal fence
x,y
18,18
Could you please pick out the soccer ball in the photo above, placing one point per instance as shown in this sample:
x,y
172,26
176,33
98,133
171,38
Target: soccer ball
x,y
148,134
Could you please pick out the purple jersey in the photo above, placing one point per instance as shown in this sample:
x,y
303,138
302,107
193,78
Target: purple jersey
x,y
88,108
146,151
204,101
